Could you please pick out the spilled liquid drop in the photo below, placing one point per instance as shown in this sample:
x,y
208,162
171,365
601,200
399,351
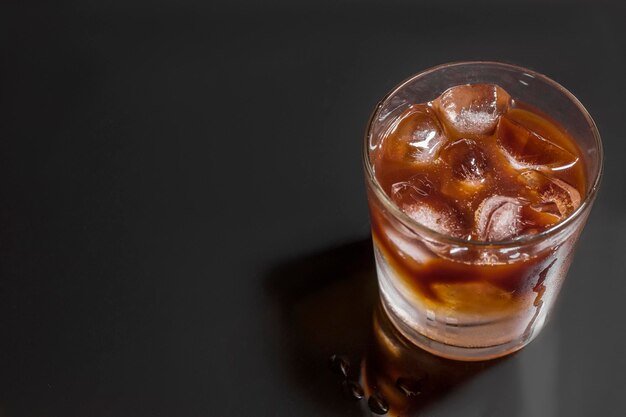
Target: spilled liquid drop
x,y
411,387
378,404
340,365
398,378
352,390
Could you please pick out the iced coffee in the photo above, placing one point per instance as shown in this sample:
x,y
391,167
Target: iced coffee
x,y
471,236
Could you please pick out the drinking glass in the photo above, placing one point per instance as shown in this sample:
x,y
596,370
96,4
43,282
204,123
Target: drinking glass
x,y
492,298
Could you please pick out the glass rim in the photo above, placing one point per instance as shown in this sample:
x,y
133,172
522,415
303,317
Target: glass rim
x,y
517,241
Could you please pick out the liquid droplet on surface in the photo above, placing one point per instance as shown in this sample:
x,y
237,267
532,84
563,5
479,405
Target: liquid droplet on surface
x,y
410,387
340,365
540,287
378,404
352,390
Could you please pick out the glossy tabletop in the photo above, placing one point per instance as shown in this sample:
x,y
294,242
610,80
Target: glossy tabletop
x,y
183,222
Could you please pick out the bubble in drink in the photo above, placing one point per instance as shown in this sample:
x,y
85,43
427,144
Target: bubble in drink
x,y
557,196
527,148
472,109
498,218
416,136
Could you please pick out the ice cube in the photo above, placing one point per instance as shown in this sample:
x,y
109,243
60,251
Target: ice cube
x,y
416,136
407,245
467,160
557,196
418,198
526,148
440,219
549,207
539,216
411,191
472,109
479,297
498,218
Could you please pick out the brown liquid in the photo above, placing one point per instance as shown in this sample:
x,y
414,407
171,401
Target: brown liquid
x,y
526,159
501,178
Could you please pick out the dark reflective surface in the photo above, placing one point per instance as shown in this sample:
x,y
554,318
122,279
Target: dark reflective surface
x,y
329,304
326,304
180,184
411,379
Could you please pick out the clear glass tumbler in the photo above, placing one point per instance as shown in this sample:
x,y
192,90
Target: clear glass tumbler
x,y
475,318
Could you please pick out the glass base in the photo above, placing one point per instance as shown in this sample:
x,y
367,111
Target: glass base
x,y
460,353
450,334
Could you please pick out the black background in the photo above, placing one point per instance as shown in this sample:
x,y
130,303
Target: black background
x,y
178,179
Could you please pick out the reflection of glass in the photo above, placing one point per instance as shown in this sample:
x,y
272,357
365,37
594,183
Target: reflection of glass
x,y
492,298
408,379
